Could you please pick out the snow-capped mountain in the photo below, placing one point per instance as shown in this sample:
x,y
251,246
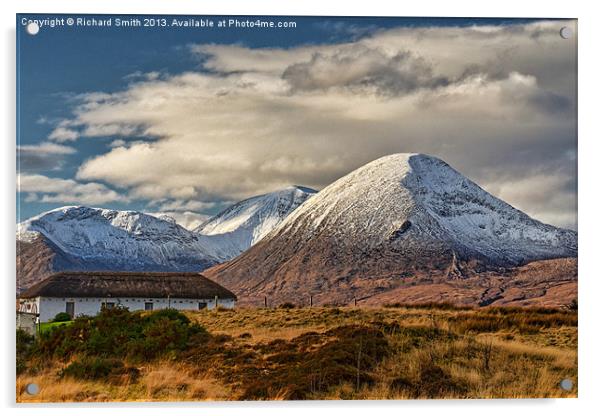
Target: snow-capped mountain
x,y
103,239
243,224
399,216
83,238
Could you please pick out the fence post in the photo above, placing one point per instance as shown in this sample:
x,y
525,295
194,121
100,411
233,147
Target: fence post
x,y
311,301
265,301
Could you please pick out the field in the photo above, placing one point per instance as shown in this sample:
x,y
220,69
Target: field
x,y
398,352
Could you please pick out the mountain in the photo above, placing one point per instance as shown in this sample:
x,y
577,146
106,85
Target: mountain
x,y
83,238
243,224
404,219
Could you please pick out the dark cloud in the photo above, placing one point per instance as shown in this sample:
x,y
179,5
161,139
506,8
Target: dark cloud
x,y
361,68
42,157
550,102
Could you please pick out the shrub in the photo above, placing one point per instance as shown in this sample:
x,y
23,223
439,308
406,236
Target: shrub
x,y
315,362
435,382
287,305
118,333
62,317
24,344
170,314
521,320
95,368
445,306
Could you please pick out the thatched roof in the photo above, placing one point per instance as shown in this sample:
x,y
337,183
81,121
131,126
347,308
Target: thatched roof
x,y
128,285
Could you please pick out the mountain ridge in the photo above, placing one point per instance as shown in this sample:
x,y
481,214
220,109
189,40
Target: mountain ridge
x,y
399,217
248,221
87,238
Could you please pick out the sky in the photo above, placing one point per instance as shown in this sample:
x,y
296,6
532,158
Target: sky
x,y
187,121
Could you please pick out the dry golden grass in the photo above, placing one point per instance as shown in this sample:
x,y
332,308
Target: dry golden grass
x,y
432,353
163,381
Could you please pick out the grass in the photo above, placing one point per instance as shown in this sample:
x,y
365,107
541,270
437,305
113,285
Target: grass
x,y
47,326
396,352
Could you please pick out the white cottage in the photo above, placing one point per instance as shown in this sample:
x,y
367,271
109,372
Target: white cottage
x,y
85,293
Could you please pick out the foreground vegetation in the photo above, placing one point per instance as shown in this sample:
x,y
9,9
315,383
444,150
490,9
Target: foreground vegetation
x,y
428,351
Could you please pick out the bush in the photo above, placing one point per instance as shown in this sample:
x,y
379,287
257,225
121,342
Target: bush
x,y
287,305
118,333
62,317
24,345
435,382
520,320
95,368
170,314
444,306
316,362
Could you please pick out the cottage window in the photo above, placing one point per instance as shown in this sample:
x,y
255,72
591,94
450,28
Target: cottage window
x,y
108,305
202,305
148,306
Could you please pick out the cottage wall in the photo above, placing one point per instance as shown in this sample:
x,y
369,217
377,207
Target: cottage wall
x,y
48,307
27,322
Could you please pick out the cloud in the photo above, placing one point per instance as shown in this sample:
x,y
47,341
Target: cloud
x,y
40,188
179,205
487,99
365,69
63,134
187,219
42,156
551,196
117,143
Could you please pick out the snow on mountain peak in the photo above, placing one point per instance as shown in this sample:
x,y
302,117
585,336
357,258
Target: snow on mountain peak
x,y
113,239
99,238
246,222
390,195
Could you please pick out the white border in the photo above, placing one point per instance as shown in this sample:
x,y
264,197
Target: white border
x,y
590,202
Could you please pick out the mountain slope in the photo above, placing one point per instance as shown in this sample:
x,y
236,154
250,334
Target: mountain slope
x,y
82,238
243,224
400,217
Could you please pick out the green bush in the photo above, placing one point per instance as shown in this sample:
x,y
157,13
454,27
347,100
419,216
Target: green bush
x,y
62,317
118,333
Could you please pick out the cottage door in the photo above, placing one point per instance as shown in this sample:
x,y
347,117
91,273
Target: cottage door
x,y
70,308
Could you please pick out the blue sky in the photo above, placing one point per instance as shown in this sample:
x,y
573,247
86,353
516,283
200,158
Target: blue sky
x,y
60,69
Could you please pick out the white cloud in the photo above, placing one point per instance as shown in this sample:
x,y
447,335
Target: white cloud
x,y
117,143
41,188
481,98
63,134
187,219
179,205
47,148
